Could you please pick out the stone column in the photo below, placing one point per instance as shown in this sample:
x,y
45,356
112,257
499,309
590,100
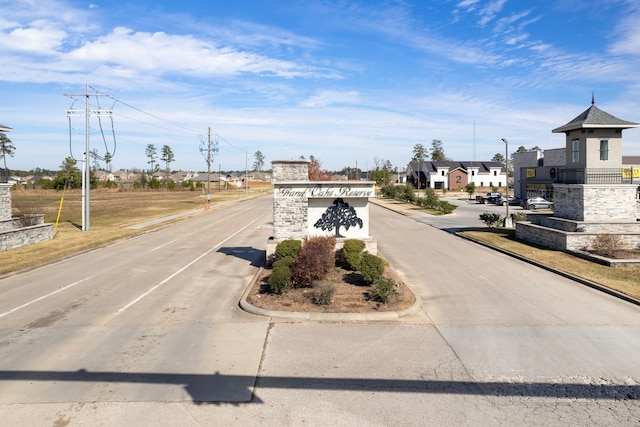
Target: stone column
x,y
290,170
5,202
289,214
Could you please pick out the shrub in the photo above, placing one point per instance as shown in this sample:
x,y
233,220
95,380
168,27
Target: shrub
x,y
431,200
383,290
520,216
490,219
322,292
352,252
606,244
470,188
390,191
446,207
288,248
408,194
317,258
286,262
371,267
280,280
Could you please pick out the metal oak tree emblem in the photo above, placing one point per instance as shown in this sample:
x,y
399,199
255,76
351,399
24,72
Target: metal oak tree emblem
x,y
339,214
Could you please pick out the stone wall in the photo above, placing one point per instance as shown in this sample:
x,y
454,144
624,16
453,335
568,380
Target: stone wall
x,y
19,222
593,227
595,202
10,239
573,241
13,232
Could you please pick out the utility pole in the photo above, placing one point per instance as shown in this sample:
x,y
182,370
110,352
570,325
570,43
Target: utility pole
x,y
507,219
86,170
246,173
209,152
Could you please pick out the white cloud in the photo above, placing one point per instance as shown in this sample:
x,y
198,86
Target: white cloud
x,y
469,5
40,37
628,33
160,53
490,10
516,39
328,97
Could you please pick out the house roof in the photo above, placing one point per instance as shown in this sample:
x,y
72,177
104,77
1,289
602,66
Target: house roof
x,y
465,165
4,128
594,118
631,160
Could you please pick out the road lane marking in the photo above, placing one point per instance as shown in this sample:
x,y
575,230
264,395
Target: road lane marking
x,y
44,296
164,281
162,246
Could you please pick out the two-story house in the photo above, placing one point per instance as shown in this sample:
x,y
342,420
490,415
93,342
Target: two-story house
x,y
452,175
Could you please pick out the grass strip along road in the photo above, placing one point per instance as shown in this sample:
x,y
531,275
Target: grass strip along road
x,y
114,216
625,280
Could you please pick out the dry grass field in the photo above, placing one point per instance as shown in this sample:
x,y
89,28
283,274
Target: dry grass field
x,y
111,212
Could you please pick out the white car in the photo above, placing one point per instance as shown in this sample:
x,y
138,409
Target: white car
x,y
534,203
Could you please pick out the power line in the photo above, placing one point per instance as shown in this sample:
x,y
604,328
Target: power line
x,y
162,119
232,145
191,130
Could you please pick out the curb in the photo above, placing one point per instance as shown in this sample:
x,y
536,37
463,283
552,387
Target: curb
x,y
576,279
327,317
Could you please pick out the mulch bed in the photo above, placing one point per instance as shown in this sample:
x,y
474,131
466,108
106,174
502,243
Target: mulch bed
x,y
351,295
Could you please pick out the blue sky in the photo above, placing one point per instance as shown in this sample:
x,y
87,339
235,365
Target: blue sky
x,y
345,81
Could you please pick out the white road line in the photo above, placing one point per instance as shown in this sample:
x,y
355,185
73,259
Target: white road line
x,y
164,282
45,296
162,246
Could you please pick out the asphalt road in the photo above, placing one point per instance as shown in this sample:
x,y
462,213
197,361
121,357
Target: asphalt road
x,y
148,331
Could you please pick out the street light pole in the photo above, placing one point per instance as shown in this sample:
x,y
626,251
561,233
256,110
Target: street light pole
x,y
506,184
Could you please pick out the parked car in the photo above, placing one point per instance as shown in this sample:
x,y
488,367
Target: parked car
x,y
534,203
513,201
488,198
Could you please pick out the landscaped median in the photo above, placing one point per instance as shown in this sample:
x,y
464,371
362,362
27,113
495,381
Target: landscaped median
x,y
311,280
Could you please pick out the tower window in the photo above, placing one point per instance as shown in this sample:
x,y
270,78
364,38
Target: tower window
x,y
575,150
604,149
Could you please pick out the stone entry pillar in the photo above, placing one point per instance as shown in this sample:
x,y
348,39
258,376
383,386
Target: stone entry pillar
x,y
5,202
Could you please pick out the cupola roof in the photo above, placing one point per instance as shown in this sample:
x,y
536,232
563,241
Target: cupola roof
x,y
595,118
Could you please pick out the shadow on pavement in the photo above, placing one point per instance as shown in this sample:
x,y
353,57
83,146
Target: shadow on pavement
x,y
220,388
257,257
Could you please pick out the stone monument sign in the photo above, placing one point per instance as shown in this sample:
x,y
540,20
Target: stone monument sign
x,y
304,208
